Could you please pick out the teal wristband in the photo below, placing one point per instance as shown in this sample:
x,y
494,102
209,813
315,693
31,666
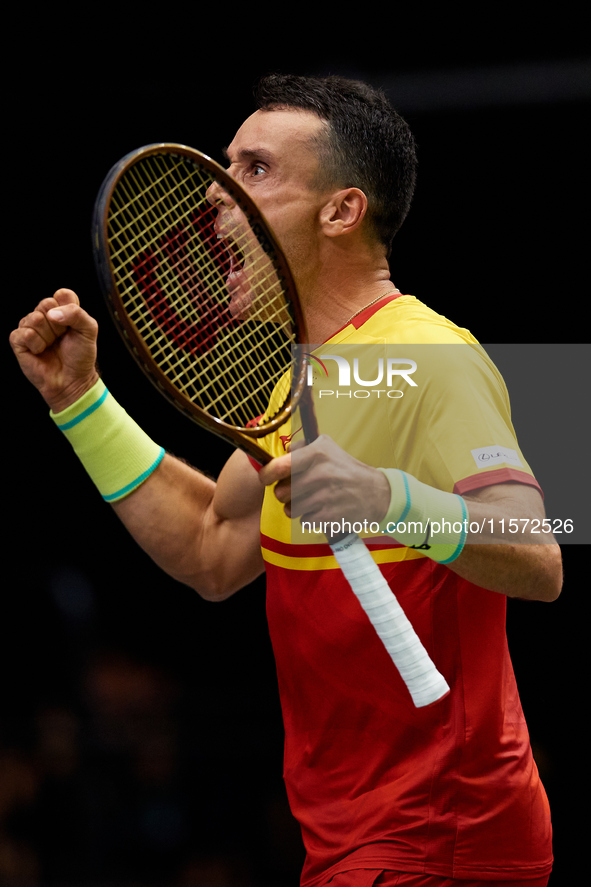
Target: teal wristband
x,y
114,450
424,518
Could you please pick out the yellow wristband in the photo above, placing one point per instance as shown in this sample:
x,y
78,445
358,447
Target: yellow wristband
x,y
422,517
114,450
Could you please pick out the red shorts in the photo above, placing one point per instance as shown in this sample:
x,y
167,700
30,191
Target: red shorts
x,y
380,878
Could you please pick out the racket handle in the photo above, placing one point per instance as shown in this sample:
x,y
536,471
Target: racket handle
x,y
418,672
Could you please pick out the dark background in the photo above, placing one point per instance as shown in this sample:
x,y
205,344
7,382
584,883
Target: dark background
x,y
140,729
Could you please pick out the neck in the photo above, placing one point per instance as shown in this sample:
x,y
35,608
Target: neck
x,y
337,277
330,307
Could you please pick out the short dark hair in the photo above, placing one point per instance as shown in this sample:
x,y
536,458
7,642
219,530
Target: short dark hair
x,y
368,146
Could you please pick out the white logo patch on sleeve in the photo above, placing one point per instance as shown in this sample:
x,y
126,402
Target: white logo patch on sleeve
x,y
485,457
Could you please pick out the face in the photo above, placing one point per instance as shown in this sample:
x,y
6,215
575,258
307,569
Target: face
x,y
272,158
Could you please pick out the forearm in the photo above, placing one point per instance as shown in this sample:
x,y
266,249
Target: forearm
x,y
496,537
168,507
173,517
524,564
530,572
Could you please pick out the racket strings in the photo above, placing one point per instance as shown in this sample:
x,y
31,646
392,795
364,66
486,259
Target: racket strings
x,y
172,275
161,215
204,270
165,222
256,379
174,215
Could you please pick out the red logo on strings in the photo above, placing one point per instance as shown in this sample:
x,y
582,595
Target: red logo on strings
x,y
194,336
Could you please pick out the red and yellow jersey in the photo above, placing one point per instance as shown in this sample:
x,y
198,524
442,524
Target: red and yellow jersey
x,y
451,789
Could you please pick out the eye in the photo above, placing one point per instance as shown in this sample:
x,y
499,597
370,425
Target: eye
x,y
257,169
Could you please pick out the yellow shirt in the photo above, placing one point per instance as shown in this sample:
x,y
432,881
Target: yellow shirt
x,y
402,387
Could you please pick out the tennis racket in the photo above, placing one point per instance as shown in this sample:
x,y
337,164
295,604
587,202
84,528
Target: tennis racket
x,y
204,298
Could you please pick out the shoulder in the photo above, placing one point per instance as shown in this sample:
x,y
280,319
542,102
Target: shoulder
x,y
408,320
426,337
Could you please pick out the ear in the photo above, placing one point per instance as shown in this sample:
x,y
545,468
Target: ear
x,y
344,212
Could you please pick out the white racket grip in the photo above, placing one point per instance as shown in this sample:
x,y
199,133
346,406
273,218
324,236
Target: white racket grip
x,y
425,684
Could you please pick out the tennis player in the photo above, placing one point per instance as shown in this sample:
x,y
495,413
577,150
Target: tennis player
x,y
385,793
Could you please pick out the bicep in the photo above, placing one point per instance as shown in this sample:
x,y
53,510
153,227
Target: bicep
x,y
512,499
238,492
231,541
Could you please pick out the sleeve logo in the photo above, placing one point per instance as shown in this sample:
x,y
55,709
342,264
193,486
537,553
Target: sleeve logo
x,y
487,457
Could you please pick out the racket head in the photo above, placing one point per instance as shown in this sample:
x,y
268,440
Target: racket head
x,y
200,291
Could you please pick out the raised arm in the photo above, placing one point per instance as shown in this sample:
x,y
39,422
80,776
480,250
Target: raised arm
x,y
203,533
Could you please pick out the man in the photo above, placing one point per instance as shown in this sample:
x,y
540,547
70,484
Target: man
x,y
385,793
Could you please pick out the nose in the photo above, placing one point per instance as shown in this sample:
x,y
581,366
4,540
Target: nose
x,y
216,195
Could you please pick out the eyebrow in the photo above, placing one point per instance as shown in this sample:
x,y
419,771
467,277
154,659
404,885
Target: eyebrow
x,y
249,154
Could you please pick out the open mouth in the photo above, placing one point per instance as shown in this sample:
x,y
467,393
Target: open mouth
x,y
236,258
237,283
251,280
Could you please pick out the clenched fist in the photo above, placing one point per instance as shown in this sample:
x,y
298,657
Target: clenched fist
x,y
55,346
